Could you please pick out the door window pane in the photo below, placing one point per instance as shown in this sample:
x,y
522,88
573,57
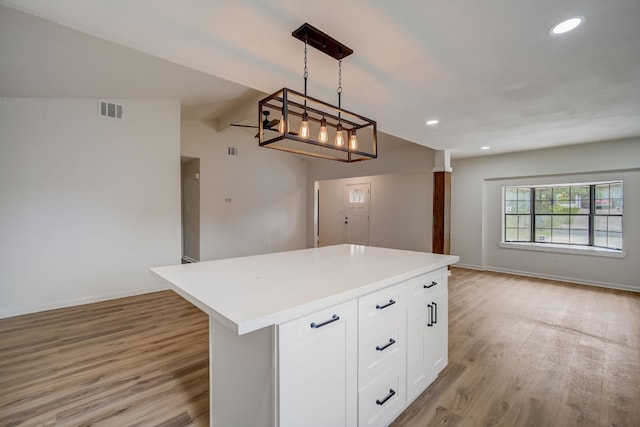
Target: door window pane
x,y
356,196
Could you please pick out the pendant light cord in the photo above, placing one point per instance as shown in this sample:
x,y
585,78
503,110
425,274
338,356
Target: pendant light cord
x,y
339,80
306,70
339,83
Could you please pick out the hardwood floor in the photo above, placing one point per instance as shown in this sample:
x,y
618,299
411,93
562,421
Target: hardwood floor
x,y
531,352
139,361
522,352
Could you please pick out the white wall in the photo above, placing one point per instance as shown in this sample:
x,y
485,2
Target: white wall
x,y
267,191
87,204
401,210
395,156
476,210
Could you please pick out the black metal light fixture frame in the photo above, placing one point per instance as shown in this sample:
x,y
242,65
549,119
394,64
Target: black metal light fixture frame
x,y
291,106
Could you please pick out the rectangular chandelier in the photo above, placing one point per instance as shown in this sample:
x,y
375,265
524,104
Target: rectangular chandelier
x,y
312,127
321,138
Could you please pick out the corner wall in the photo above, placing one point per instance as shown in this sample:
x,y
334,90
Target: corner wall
x,y
476,216
250,204
87,204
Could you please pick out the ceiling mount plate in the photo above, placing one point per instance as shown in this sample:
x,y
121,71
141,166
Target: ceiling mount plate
x,y
321,41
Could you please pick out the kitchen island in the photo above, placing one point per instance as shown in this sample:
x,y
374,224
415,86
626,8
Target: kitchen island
x,y
337,335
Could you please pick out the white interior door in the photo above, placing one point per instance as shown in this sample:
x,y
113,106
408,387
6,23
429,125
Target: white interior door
x,y
356,208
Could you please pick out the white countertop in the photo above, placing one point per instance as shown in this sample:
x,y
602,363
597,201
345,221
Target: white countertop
x,y
249,293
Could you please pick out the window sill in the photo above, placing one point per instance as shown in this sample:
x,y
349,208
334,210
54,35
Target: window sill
x,y
577,250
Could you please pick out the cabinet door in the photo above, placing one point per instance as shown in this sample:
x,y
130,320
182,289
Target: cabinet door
x,y
437,340
427,342
318,368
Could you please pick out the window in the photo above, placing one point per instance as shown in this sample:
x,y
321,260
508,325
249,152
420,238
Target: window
x,y
572,214
356,196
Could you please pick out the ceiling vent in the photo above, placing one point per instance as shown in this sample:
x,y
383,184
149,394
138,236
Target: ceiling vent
x,y
232,151
109,109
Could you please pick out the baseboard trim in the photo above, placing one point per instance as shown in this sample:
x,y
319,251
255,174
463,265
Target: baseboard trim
x,y
575,280
80,301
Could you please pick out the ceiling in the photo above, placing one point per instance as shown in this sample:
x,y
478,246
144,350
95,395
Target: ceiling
x,y
489,71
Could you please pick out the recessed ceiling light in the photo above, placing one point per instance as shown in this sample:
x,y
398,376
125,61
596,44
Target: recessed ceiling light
x,y
566,26
432,122
486,147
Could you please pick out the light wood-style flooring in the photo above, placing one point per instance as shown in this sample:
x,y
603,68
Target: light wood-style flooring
x,y
138,361
522,352
532,352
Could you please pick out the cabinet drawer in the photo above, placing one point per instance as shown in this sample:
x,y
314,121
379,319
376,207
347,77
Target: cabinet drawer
x,y
321,321
381,401
420,288
380,348
380,306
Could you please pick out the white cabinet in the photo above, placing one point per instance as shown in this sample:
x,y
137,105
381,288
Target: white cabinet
x,y
382,345
427,330
362,362
317,368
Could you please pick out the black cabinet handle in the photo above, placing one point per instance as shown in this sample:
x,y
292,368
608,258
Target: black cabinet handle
x,y
392,392
382,307
435,313
384,347
431,285
334,318
430,314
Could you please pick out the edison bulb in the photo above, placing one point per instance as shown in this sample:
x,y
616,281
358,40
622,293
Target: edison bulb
x,y
323,135
339,141
304,126
353,140
283,126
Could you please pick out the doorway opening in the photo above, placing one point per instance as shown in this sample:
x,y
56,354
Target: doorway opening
x,y
190,189
341,212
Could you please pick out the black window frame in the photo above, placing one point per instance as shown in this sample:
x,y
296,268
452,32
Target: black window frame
x,y
593,217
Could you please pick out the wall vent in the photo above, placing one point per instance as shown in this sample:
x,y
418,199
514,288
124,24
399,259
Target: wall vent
x,y
110,109
232,151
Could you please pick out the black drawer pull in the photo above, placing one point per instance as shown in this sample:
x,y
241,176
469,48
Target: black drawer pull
x,y
430,314
384,347
334,318
392,392
382,307
430,286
